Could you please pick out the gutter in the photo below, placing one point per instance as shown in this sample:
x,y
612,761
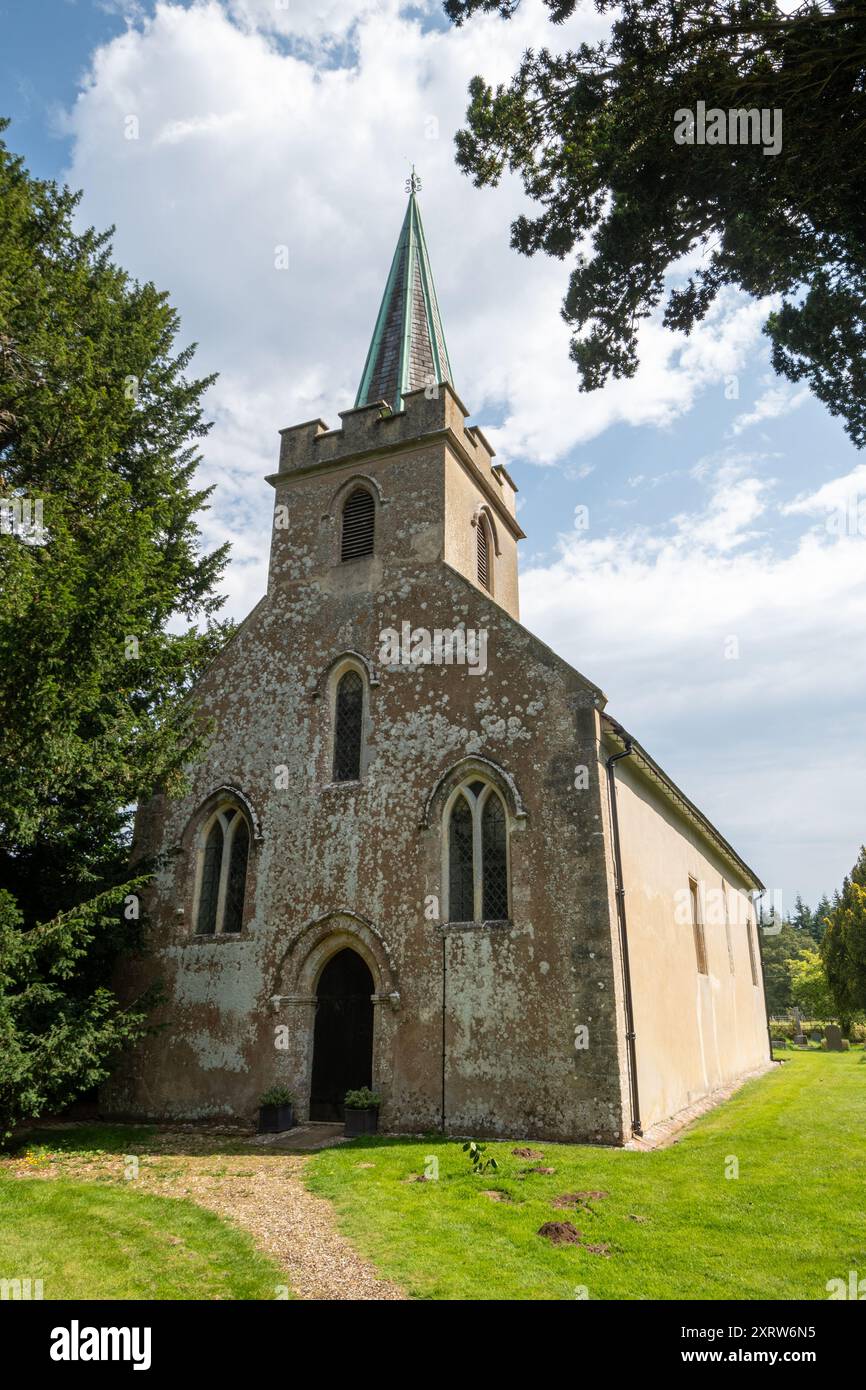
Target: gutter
x,y
677,798
631,1044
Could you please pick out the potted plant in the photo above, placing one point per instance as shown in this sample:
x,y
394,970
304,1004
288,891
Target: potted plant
x,y
362,1112
276,1110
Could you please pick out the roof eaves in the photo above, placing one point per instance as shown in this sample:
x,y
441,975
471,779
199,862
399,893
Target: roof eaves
x,y
687,808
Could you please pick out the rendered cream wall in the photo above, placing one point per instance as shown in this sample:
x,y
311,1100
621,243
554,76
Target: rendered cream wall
x,y
694,1032
462,497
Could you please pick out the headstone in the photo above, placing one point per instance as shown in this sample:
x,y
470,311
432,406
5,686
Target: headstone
x,y
800,1039
834,1038
816,1036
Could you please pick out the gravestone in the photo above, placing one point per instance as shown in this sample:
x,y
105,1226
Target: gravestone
x,y
816,1036
834,1038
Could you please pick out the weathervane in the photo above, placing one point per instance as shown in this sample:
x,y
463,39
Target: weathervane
x,y
413,183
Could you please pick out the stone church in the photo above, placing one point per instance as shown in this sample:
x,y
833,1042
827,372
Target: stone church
x,y
419,854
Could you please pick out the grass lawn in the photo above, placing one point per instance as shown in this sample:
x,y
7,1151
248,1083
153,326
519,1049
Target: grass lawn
x,y
674,1224
93,1240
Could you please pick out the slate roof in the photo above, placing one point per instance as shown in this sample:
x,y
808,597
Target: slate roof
x,y
408,347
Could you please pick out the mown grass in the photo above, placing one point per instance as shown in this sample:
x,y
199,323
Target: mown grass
x,y
676,1225
89,1240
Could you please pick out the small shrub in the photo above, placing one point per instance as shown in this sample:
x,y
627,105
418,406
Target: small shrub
x,y
476,1158
277,1095
363,1099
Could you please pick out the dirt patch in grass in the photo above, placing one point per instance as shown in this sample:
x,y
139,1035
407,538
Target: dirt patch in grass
x,y
560,1233
527,1153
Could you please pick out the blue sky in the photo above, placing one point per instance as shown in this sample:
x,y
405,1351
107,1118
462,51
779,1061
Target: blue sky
x,y
713,490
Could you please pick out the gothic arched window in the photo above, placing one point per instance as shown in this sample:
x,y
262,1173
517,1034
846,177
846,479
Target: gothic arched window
x,y
477,854
483,544
348,727
359,525
223,851
461,883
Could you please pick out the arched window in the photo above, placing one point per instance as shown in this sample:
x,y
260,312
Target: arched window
x,y
494,857
348,727
483,543
223,851
359,525
461,883
477,854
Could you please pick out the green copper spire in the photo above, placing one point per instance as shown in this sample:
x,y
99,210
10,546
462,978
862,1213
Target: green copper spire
x,y
408,348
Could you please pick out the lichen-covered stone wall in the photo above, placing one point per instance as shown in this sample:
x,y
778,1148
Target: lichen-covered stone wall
x,y
531,1016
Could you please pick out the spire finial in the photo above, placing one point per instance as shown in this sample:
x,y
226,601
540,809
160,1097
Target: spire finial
x,y
413,183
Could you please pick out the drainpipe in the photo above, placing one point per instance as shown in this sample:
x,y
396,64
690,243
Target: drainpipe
x,y
623,940
759,935
444,979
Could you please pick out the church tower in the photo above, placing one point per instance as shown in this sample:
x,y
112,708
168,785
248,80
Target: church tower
x,y
404,477
456,879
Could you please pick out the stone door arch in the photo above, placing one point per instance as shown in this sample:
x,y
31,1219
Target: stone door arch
x,y
300,975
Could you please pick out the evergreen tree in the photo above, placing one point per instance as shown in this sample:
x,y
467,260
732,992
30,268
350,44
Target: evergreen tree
x,y
778,949
57,1039
591,134
844,946
99,425
818,924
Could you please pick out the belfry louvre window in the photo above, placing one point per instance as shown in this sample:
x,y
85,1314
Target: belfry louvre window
x,y
359,525
483,557
348,727
224,850
477,850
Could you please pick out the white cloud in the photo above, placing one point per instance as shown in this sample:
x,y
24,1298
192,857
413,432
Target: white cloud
x,y
261,128
244,147
777,400
841,498
540,380
648,613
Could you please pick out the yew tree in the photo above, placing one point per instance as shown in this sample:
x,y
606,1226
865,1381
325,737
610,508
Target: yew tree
x,y
590,132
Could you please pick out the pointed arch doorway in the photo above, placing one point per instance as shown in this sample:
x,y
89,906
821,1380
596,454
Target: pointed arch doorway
x,y
343,1034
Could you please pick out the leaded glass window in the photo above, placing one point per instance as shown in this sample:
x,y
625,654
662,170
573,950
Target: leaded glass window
x,y
210,880
477,848
461,887
348,727
237,878
494,858
222,872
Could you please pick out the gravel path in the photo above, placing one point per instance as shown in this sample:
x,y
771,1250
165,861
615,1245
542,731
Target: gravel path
x,y
263,1193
